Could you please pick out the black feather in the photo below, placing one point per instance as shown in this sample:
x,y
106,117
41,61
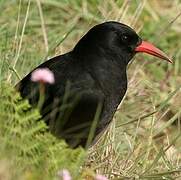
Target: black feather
x,y
93,72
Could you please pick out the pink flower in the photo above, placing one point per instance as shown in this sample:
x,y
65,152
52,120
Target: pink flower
x,y
43,75
100,177
64,174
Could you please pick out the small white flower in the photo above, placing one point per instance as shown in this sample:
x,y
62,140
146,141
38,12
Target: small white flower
x,y
100,177
43,75
64,174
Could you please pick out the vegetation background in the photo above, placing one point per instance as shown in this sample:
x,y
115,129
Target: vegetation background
x,y
143,141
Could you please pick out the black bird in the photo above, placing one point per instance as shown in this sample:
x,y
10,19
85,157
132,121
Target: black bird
x,y
90,78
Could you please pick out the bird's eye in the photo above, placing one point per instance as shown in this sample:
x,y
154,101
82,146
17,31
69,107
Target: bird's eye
x,y
125,38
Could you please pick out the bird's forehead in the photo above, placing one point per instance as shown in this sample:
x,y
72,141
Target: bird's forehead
x,y
113,26
123,28
117,27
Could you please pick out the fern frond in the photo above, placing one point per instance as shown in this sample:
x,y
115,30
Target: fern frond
x,y
26,142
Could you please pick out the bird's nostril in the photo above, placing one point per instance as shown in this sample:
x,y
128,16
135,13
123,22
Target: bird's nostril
x,y
139,41
131,49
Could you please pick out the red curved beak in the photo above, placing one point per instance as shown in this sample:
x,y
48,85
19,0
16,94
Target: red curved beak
x,y
149,48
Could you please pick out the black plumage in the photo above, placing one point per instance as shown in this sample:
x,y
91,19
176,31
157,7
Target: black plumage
x,y
92,74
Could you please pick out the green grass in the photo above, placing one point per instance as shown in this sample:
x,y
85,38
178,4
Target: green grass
x,y
143,140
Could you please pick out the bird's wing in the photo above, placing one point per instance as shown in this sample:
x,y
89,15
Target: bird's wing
x,y
71,103
30,89
76,117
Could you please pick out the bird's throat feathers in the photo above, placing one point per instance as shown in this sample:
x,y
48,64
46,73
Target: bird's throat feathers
x,y
106,65
108,71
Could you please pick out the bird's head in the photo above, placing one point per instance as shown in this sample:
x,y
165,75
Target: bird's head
x,y
116,38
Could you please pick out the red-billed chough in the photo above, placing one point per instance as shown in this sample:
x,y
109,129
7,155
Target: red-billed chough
x,y
91,78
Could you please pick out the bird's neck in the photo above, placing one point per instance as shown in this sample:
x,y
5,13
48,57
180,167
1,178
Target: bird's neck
x,y
109,70
112,79
111,76
109,73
